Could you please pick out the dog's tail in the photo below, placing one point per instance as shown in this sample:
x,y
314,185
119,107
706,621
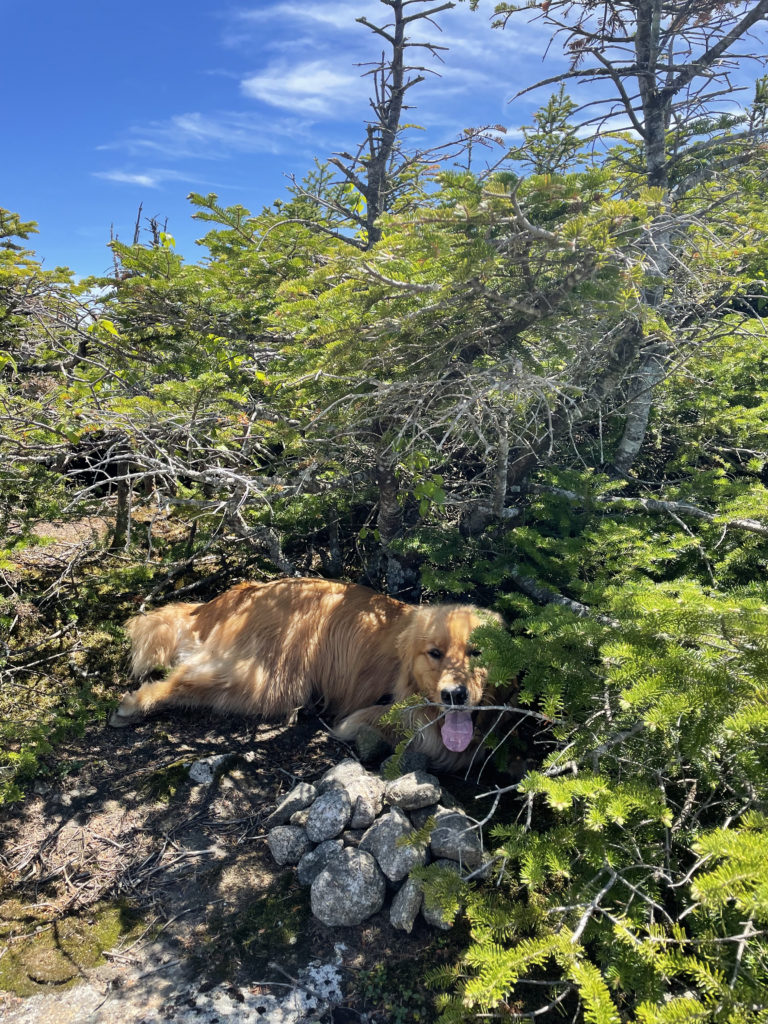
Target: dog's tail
x,y
157,639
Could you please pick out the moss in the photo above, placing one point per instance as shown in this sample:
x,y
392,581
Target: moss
x,y
44,952
164,783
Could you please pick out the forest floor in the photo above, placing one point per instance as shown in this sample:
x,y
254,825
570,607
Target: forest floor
x,y
131,893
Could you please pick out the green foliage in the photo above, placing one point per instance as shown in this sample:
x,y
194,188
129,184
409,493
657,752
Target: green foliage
x,y
553,143
444,890
632,892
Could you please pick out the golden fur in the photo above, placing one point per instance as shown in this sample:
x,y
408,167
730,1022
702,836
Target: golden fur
x,y
268,648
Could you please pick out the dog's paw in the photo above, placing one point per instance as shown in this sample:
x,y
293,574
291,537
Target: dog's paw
x,y
126,714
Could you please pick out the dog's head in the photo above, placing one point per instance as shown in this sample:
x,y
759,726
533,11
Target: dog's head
x,y
442,665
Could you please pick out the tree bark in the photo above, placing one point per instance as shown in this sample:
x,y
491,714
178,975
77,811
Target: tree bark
x,y
122,535
650,374
400,578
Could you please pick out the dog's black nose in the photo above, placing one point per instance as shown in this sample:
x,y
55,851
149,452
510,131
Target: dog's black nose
x,y
454,695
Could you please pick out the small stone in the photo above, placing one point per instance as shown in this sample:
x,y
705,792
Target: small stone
x,y
204,771
406,905
300,796
456,837
434,915
381,840
329,815
342,774
365,809
314,861
84,793
348,890
299,818
288,844
366,791
414,790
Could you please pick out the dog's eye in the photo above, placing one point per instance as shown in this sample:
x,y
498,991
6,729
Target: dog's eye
x,y
474,652
435,653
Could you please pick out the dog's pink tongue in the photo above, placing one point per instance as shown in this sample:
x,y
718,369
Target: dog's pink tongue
x,y
457,730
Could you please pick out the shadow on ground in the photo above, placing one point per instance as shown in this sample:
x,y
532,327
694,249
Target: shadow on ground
x,y
132,893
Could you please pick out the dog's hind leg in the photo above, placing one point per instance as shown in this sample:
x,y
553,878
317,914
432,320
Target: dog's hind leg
x,y
187,684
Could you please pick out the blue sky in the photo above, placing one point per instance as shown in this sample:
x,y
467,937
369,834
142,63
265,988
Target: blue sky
x,y
109,105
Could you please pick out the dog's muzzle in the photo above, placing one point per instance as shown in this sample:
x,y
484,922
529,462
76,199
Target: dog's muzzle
x,y
454,696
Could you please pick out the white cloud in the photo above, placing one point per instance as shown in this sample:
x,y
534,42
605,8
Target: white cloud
x,y
339,16
127,178
152,177
479,68
314,87
213,136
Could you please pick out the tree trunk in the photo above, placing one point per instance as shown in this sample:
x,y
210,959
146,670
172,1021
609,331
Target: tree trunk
x,y
502,471
650,373
122,535
400,578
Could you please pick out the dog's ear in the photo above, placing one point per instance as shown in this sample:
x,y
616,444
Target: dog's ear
x,y
406,639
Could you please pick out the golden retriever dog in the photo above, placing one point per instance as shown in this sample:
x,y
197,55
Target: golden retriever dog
x,y
269,648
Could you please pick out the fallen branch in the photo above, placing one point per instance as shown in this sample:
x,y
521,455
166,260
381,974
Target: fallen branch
x,y
544,595
679,508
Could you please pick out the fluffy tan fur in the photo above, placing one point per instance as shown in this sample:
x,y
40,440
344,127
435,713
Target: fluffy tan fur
x,y
269,648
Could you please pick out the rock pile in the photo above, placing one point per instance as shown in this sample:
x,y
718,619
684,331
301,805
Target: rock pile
x,y
348,836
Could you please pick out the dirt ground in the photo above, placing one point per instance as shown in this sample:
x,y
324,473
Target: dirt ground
x,y
130,892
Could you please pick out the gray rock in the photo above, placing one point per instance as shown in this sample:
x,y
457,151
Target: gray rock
x,y
414,790
456,837
366,791
204,771
348,890
406,905
314,861
288,843
420,816
329,815
381,840
344,773
366,807
300,796
434,915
